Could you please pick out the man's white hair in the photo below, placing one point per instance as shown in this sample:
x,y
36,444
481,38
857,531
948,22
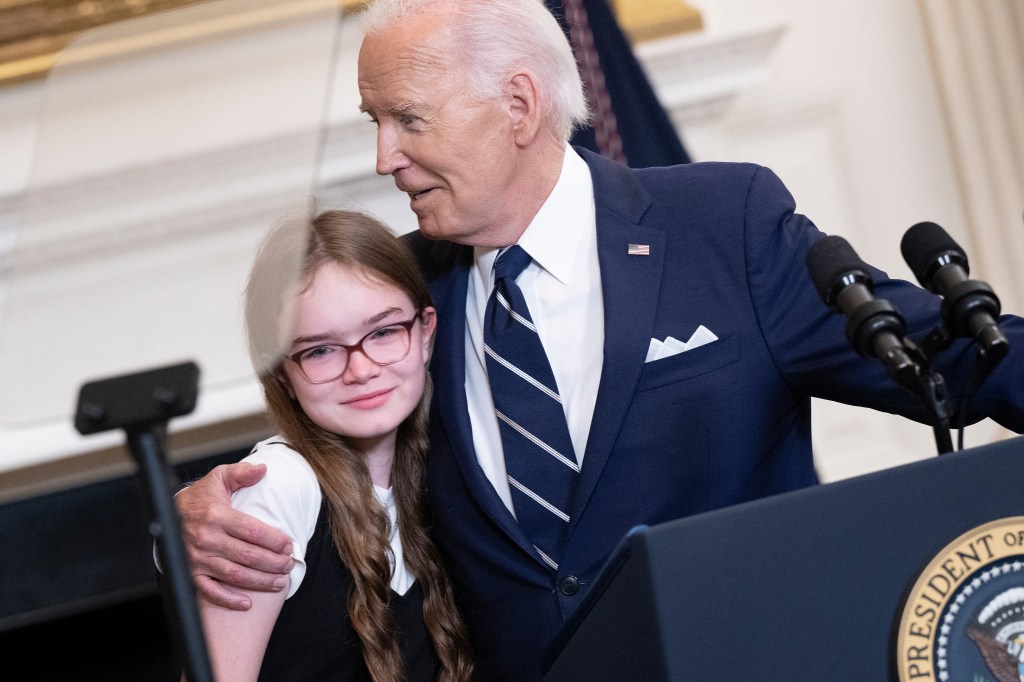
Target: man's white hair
x,y
492,38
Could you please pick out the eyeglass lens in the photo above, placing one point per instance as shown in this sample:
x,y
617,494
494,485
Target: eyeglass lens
x,y
383,346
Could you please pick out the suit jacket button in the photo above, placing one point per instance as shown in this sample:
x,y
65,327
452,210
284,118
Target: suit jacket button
x,y
569,585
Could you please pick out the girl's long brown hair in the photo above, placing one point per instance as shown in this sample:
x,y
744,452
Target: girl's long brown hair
x,y
284,266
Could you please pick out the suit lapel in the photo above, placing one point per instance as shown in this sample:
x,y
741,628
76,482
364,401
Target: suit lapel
x,y
448,288
631,286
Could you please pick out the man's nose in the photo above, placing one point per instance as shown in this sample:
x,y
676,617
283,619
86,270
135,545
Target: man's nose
x,y
390,157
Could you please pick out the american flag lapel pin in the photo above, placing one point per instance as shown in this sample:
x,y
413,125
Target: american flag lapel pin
x,y
639,250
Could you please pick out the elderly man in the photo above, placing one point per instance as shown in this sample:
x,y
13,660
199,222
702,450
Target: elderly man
x,y
680,337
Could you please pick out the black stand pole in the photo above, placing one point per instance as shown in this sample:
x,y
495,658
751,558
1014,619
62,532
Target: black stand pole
x,y
908,367
142,404
933,394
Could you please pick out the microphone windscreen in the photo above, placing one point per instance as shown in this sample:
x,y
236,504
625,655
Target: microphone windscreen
x,y
829,260
922,245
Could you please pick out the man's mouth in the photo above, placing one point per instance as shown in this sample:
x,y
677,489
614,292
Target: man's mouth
x,y
416,195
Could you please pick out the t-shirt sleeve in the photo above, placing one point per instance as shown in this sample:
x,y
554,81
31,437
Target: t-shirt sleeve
x,y
287,498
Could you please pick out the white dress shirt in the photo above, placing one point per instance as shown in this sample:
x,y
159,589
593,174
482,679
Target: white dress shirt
x,y
562,287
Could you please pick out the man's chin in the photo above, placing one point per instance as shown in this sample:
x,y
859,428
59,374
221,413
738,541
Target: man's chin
x,y
430,229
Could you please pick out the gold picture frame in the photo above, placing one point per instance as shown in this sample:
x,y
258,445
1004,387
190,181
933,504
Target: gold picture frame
x,y
33,32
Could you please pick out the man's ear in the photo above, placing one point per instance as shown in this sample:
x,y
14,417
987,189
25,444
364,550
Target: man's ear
x,y
524,107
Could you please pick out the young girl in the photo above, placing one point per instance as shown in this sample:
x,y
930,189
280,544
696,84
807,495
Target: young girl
x,y
342,359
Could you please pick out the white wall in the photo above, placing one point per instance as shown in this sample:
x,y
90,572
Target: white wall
x,y
853,79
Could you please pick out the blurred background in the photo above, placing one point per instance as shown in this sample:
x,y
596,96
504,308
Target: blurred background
x,y
877,115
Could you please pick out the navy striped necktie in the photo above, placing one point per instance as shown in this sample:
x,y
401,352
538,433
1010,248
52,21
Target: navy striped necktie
x,y
539,457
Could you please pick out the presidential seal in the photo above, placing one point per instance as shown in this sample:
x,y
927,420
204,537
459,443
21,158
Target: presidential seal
x,y
963,620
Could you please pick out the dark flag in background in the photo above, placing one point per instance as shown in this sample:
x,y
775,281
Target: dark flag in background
x,y
629,124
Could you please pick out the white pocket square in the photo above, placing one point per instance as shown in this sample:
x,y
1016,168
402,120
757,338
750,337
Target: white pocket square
x,y
671,346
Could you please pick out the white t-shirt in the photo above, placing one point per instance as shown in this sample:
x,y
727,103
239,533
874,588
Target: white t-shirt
x,y
288,498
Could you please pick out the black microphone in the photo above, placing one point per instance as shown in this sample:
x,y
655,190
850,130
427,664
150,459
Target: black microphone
x,y
970,308
873,327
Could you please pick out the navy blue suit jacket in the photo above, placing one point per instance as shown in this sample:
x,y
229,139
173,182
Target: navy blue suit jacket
x,y
714,426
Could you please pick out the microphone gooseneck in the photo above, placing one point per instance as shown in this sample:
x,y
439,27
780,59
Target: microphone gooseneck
x,y
970,309
873,327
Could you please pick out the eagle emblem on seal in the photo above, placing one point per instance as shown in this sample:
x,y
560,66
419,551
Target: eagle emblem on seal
x,y
998,631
